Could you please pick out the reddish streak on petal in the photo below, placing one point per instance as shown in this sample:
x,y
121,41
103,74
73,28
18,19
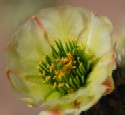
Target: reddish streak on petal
x,y
40,26
114,56
55,112
108,83
38,21
8,73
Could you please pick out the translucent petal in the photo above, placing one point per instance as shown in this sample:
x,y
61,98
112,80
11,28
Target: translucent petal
x,y
26,49
52,98
87,101
18,84
100,34
102,69
35,92
98,75
98,39
64,22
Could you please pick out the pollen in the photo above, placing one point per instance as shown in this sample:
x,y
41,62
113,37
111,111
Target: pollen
x,y
60,73
61,84
50,68
47,78
67,67
60,77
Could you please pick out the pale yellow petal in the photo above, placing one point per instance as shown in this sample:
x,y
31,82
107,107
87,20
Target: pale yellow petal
x,y
26,49
34,92
98,39
64,22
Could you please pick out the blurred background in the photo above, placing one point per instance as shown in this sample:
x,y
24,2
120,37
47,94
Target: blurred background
x,y
14,12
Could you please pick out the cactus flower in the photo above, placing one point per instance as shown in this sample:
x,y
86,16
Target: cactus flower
x,y
61,59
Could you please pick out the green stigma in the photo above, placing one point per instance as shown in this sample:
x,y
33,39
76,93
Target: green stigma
x,y
68,66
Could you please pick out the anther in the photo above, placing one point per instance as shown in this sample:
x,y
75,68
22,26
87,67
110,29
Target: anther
x,y
47,78
50,68
61,84
54,85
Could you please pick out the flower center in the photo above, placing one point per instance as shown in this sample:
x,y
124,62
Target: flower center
x,y
68,66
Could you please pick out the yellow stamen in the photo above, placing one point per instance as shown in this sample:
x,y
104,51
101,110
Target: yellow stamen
x,y
59,72
69,56
54,85
73,66
67,85
43,73
79,45
54,77
61,84
56,72
73,52
47,78
50,68
69,65
60,77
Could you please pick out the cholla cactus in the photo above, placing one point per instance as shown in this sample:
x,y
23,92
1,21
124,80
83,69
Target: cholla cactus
x,y
62,59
